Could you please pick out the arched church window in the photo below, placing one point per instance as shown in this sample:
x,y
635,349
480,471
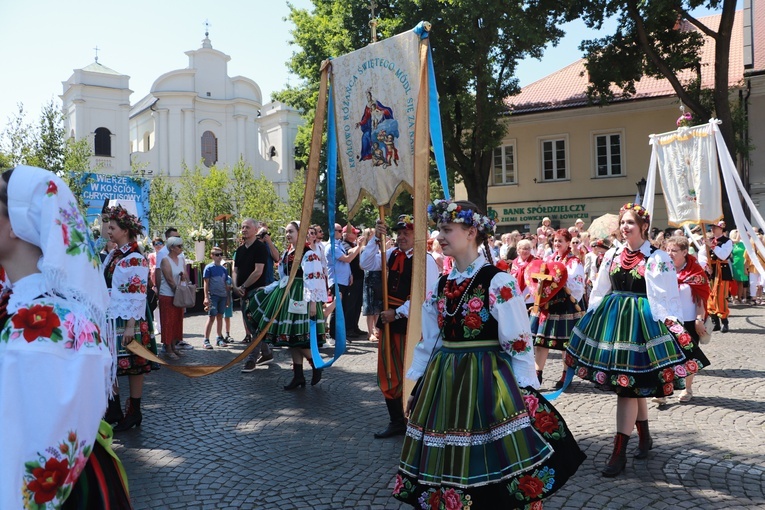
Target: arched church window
x,y
209,148
103,142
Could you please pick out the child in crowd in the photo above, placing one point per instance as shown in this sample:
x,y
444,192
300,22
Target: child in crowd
x,y
216,296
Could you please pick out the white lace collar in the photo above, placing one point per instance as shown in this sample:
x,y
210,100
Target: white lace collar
x,y
25,291
469,271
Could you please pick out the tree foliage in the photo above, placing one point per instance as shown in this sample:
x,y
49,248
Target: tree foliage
x,y
476,46
163,212
649,41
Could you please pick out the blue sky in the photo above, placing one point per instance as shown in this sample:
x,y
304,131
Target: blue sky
x,y
42,41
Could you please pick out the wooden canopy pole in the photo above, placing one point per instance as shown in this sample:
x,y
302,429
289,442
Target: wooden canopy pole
x,y
384,276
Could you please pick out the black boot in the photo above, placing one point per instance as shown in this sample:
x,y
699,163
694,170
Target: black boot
x,y
645,442
298,379
539,376
114,411
716,322
618,460
724,326
133,416
561,382
315,373
397,425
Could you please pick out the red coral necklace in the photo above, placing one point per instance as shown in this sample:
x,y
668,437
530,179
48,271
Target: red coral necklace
x,y
630,259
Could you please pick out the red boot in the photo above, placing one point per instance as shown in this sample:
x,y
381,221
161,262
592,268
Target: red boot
x,y
618,460
645,442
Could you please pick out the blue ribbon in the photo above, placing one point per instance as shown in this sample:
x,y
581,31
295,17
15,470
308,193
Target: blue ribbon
x,y
331,193
566,382
436,131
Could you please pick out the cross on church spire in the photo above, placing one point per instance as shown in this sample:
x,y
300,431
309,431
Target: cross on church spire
x,y
207,28
373,21
96,48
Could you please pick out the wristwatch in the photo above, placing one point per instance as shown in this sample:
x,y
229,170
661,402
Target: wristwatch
x,y
397,316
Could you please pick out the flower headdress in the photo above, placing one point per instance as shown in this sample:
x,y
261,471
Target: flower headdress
x,y
124,220
446,211
637,209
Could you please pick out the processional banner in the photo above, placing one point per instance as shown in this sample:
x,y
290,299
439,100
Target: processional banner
x,y
375,91
687,160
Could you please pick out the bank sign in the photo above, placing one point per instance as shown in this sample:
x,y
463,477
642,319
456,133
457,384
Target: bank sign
x,y
103,190
535,213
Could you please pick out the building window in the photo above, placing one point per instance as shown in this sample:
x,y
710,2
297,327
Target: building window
x,y
608,155
554,159
503,166
103,142
209,148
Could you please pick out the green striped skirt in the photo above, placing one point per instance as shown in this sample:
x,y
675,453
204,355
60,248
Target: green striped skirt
x,y
476,438
289,329
619,346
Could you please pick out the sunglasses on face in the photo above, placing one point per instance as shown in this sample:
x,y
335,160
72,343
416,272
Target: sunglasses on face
x,y
217,254
158,244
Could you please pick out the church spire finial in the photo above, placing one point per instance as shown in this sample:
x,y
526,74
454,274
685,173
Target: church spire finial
x,y
96,48
206,41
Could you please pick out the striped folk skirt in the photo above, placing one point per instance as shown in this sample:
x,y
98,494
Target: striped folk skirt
x,y
476,439
620,347
552,328
289,329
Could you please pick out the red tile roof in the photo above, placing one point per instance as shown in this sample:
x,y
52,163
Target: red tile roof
x,y
566,88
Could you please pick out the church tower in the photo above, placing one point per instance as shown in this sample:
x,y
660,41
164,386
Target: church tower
x,y
96,106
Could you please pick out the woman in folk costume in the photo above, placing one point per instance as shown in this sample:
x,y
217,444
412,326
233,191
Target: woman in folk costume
x,y
518,268
694,293
291,327
479,434
551,324
56,365
126,271
629,341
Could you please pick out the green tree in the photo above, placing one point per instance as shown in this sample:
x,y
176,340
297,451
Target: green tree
x,y
163,210
648,41
241,186
202,197
49,149
17,138
476,46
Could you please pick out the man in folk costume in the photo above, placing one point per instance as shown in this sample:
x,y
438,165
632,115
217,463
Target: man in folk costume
x,y
390,371
720,249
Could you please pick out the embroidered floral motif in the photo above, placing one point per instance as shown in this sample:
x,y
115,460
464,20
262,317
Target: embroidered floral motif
x,y
134,285
502,294
437,498
52,189
75,234
312,257
53,473
623,380
37,321
133,262
657,266
534,485
87,334
520,345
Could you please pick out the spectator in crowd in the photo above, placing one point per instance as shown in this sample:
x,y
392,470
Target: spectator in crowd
x,y
718,267
340,273
264,236
372,301
173,272
216,297
161,254
579,224
250,260
356,289
518,269
435,250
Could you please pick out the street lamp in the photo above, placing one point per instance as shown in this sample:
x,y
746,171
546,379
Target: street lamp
x,y
641,189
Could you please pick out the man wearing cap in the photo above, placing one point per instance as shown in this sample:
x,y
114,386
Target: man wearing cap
x,y
399,282
720,249
579,224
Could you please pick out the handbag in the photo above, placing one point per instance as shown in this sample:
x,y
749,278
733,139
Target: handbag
x,y
704,339
185,295
297,307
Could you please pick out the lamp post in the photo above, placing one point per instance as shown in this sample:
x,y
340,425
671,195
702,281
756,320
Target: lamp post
x,y
641,190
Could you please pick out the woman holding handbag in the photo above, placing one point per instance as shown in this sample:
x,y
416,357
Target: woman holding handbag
x,y
126,270
171,316
292,322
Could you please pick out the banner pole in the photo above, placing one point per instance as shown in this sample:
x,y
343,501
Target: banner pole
x,y
384,276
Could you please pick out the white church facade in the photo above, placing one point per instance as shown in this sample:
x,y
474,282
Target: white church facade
x,y
190,116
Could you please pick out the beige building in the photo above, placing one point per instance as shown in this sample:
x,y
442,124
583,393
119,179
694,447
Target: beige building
x,y
754,92
564,159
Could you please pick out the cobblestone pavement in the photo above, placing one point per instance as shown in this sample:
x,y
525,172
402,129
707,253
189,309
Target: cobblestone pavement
x,y
233,440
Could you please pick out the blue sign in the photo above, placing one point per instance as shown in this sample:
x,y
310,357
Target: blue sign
x,y
104,190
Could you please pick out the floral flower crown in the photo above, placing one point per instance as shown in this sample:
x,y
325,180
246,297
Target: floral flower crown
x,y
637,209
446,211
124,220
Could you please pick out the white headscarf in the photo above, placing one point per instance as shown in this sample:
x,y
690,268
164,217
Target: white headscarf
x,y
43,212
